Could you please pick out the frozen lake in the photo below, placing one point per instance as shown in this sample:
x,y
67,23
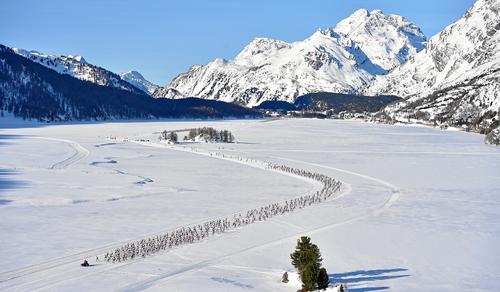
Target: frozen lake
x,y
420,212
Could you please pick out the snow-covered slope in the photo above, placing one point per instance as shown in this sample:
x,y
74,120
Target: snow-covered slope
x,y
167,92
30,90
387,40
135,78
456,79
329,60
77,67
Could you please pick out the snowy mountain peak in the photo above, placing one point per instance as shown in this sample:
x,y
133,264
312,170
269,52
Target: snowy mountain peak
x,y
168,92
132,74
136,79
387,40
333,60
360,13
263,47
78,58
76,66
456,78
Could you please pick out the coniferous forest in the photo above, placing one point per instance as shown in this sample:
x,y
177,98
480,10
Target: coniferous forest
x,y
32,91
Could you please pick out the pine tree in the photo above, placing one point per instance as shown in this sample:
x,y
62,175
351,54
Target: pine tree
x,y
307,260
164,135
323,279
309,276
192,134
172,137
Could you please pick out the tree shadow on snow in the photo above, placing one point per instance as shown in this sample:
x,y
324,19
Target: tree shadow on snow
x,y
232,282
356,278
7,182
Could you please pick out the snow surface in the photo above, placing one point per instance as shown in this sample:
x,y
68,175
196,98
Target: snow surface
x,y
421,210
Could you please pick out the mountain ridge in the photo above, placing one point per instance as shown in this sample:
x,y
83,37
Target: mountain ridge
x,y
30,90
455,80
268,69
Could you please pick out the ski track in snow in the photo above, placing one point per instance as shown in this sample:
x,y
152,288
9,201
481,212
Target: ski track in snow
x,y
74,259
379,152
80,152
394,196
148,283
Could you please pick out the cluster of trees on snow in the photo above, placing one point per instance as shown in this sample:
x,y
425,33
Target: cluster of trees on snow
x,y
209,134
187,235
168,136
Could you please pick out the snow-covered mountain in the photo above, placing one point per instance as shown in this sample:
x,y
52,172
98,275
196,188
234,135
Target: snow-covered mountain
x,y
30,90
168,92
387,40
77,67
135,78
456,79
342,60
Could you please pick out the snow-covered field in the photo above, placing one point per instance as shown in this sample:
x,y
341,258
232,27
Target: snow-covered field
x,y
420,208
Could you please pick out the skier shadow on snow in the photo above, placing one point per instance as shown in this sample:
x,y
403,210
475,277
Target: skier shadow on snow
x,y
353,278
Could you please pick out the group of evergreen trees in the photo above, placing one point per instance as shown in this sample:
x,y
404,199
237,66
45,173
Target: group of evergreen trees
x,y
307,260
30,90
209,134
169,136
187,235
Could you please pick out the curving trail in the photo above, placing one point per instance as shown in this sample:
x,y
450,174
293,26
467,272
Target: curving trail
x,y
395,190
74,259
71,261
393,197
80,152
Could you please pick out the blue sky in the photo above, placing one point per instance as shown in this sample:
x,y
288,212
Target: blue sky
x,y
164,38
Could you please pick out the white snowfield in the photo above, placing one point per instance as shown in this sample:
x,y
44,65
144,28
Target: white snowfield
x,y
419,210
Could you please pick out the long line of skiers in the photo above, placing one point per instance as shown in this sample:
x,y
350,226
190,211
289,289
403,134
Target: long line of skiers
x,y
187,235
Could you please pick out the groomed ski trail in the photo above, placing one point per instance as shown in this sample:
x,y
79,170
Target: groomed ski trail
x,y
80,152
74,259
394,196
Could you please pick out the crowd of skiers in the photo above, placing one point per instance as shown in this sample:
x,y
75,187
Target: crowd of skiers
x,y
186,235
